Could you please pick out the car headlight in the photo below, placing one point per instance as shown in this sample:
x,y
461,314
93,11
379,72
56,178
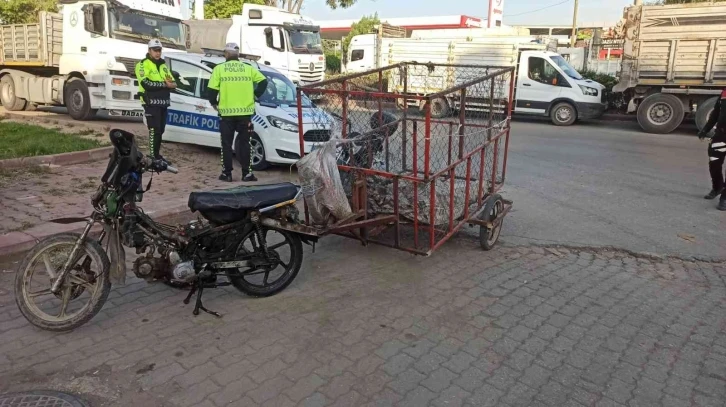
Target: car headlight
x,y
282,124
588,91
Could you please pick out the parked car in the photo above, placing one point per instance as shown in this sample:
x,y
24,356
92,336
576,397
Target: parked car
x,y
275,138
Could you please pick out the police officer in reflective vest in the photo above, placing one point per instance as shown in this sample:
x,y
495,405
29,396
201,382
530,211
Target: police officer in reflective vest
x,y
232,91
155,83
716,150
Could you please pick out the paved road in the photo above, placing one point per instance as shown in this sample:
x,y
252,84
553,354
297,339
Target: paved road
x,y
609,184
511,327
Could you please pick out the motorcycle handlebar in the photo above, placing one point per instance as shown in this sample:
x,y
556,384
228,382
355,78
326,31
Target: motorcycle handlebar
x,y
172,170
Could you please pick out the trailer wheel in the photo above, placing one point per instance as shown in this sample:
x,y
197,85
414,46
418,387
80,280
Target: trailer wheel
x,y
563,114
704,111
440,108
7,95
489,237
78,101
660,113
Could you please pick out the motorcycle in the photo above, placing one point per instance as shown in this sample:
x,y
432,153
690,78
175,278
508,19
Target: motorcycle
x,y
234,241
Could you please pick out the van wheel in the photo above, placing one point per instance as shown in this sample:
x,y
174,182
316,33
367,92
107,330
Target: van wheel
x,y
660,113
78,101
704,111
563,114
9,101
258,156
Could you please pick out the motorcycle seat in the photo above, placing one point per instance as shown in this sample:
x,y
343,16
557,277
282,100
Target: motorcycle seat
x,y
233,203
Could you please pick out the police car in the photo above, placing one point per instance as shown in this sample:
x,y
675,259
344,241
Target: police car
x,y
191,119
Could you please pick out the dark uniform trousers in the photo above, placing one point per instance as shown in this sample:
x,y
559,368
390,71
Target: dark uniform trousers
x,y
156,122
242,125
716,156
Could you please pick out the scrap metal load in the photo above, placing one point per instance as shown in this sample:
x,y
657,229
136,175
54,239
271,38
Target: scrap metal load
x,y
411,180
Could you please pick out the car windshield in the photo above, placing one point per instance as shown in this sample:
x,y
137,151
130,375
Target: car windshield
x,y
566,67
132,26
280,91
305,42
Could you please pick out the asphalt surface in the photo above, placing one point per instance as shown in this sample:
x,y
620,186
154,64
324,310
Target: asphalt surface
x,y
610,184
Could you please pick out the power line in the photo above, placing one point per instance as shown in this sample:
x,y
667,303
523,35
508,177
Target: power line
x,y
539,9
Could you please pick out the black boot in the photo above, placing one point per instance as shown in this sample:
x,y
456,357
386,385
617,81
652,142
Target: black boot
x,y
721,205
249,177
161,157
225,177
713,194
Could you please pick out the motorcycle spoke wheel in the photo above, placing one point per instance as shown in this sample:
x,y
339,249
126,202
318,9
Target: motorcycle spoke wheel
x,y
82,293
285,258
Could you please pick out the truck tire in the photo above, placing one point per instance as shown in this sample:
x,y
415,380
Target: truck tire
x,y
78,101
9,101
563,114
704,111
440,108
660,113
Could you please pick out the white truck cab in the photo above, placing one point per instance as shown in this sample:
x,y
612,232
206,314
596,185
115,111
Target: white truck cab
x,y
287,42
275,139
88,52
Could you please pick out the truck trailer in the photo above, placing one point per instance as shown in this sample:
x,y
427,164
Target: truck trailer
x,y
673,64
84,57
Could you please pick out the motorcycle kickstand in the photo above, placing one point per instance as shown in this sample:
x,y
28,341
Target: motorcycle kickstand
x,y
191,292
198,306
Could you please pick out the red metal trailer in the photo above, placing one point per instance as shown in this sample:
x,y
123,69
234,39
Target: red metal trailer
x,y
414,177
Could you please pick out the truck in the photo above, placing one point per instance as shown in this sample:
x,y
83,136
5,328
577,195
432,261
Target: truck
x,y
673,63
84,57
545,84
288,42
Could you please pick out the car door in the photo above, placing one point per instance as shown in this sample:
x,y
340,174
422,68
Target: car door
x,y
537,84
191,119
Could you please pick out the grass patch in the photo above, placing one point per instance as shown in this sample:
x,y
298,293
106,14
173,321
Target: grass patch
x,y
24,140
8,177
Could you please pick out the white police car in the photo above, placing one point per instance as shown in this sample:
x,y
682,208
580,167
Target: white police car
x,y
275,139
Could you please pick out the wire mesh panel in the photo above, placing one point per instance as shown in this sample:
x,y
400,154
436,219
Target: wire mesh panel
x,y
421,147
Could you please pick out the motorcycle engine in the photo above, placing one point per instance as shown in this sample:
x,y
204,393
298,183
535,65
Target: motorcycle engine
x,y
150,268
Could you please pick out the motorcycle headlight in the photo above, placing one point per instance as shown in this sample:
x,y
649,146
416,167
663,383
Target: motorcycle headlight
x,y
282,124
588,91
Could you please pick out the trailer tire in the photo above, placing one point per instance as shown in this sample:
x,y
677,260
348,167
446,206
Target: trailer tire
x,y
704,111
563,114
78,101
660,113
9,101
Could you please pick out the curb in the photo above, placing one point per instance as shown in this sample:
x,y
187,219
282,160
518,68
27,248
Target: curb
x,y
76,157
16,242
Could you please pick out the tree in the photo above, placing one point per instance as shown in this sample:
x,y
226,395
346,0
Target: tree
x,y
226,8
24,11
364,26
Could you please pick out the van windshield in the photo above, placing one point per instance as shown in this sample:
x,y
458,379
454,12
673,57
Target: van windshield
x,y
566,67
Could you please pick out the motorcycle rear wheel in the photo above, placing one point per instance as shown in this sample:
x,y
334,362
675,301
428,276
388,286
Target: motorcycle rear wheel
x,y
88,281
290,266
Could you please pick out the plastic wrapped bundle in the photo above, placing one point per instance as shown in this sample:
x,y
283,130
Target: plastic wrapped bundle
x,y
322,188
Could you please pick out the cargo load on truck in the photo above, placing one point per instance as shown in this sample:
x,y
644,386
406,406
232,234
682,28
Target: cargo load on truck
x,y
674,63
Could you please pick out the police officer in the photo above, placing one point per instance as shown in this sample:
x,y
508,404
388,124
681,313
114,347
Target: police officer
x,y
232,91
716,150
155,83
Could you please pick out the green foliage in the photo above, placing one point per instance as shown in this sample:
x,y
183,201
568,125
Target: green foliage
x,y
339,3
226,8
364,26
606,80
24,11
332,63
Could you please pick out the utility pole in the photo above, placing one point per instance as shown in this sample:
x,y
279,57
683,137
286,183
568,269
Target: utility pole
x,y
573,38
199,9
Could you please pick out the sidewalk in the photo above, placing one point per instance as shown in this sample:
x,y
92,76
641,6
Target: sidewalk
x,y
29,200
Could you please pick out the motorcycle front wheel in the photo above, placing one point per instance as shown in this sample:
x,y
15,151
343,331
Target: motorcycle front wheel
x,y
266,281
82,294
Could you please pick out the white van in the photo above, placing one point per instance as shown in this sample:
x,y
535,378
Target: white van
x,y
546,85
275,139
